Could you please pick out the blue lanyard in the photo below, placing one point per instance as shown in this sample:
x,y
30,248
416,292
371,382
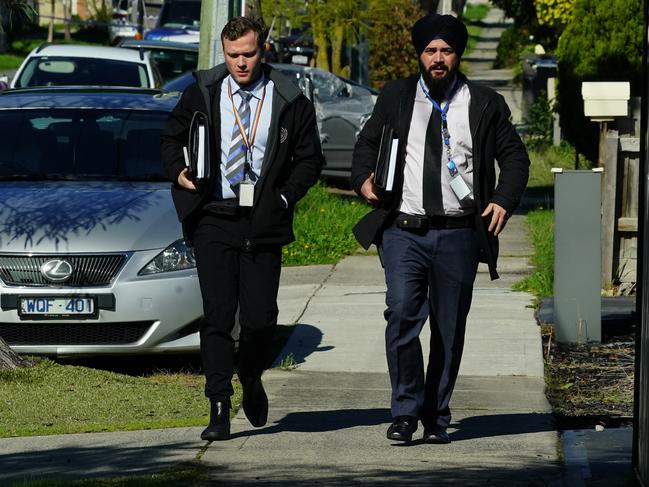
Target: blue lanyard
x,y
446,136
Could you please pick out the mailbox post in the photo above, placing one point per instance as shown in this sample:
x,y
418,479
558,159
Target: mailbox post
x,y
603,102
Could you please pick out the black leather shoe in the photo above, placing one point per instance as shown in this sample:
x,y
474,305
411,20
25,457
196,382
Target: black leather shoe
x,y
255,402
219,427
402,428
436,435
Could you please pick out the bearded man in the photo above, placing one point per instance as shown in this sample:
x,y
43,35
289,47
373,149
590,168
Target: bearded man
x,y
442,216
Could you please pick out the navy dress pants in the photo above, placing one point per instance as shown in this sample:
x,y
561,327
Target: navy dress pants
x,y
429,275
232,277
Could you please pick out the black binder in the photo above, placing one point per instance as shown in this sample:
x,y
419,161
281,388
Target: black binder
x,y
386,159
199,148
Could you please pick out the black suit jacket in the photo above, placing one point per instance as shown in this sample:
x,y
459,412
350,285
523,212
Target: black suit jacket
x,y
292,162
493,138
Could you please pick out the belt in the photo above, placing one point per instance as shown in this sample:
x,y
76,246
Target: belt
x,y
424,222
226,208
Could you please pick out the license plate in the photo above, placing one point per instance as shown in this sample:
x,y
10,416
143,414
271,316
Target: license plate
x,y
54,307
299,59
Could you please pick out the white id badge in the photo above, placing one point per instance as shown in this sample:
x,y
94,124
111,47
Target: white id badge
x,y
459,187
246,193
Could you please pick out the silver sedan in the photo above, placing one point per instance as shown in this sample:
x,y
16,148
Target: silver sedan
x,y
92,257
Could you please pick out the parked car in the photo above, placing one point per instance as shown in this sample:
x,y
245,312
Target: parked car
x,y
92,257
179,21
85,65
341,107
171,58
122,25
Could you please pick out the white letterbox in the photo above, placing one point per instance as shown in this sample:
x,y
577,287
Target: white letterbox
x,y
604,99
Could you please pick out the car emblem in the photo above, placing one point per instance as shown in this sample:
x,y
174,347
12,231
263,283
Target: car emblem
x,y
56,270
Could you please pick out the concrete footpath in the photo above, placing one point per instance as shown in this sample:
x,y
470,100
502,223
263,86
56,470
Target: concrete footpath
x,y
328,416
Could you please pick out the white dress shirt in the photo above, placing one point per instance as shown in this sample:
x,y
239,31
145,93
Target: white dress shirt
x,y
461,152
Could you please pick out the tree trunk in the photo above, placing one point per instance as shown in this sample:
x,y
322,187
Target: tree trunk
x,y
320,43
3,41
67,15
3,34
8,358
254,11
337,38
50,31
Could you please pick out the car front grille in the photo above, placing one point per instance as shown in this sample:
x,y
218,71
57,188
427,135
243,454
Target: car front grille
x,y
87,270
73,333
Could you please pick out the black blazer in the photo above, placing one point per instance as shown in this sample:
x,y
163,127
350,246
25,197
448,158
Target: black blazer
x,y
292,162
493,137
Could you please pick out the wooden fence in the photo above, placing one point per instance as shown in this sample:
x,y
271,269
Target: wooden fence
x,y
620,158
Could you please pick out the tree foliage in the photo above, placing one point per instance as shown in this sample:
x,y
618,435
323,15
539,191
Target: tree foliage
x,y
391,53
332,23
602,42
13,12
555,13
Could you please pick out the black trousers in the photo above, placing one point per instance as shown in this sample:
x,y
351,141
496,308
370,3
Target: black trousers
x,y
429,275
233,277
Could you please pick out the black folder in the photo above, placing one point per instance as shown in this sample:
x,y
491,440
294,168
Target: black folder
x,y
386,160
198,148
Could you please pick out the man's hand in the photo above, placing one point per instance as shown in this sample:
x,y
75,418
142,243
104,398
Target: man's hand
x,y
498,218
368,190
185,182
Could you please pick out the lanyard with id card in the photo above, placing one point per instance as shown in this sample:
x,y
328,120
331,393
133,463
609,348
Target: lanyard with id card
x,y
247,185
457,184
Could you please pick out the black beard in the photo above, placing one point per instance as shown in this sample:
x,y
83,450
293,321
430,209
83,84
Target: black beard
x,y
437,87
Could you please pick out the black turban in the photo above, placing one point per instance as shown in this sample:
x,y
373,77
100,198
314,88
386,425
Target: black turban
x,y
435,26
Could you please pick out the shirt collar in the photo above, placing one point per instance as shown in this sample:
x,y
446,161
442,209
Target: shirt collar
x,y
255,89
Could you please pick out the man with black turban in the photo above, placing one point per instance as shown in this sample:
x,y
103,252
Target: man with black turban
x,y
440,217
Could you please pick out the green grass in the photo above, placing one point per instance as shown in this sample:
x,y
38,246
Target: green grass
x,y
53,398
323,224
541,230
544,160
187,475
475,12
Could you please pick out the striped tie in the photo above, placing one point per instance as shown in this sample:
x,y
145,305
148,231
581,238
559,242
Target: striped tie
x,y
237,154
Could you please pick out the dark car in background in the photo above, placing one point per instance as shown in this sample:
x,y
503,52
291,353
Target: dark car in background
x,y
342,107
179,21
92,257
171,58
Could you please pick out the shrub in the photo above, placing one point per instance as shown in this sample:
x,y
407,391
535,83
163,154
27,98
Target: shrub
x,y
602,42
540,123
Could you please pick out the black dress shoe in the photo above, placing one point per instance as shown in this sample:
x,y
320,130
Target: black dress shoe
x,y
402,428
219,427
436,435
255,402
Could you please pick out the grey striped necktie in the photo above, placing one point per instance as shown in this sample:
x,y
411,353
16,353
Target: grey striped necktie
x,y
237,155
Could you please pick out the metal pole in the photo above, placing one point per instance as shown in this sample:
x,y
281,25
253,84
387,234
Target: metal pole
x,y
214,16
641,390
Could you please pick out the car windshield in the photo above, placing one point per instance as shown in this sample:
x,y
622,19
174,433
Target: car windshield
x,y
81,144
60,71
173,63
181,14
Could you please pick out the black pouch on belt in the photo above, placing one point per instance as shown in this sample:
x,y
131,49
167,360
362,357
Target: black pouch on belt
x,y
412,222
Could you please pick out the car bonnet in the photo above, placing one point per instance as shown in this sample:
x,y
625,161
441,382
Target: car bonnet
x,y
82,216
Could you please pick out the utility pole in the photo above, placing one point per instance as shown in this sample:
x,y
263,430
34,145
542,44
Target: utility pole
x,y
214,15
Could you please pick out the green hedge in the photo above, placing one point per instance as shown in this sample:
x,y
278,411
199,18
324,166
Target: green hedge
x,y
603,42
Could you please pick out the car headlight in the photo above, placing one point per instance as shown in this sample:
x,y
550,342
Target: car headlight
x,y
176,257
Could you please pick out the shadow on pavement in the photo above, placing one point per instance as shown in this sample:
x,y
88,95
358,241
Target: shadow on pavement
x,y
321,421
473,427
74,462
